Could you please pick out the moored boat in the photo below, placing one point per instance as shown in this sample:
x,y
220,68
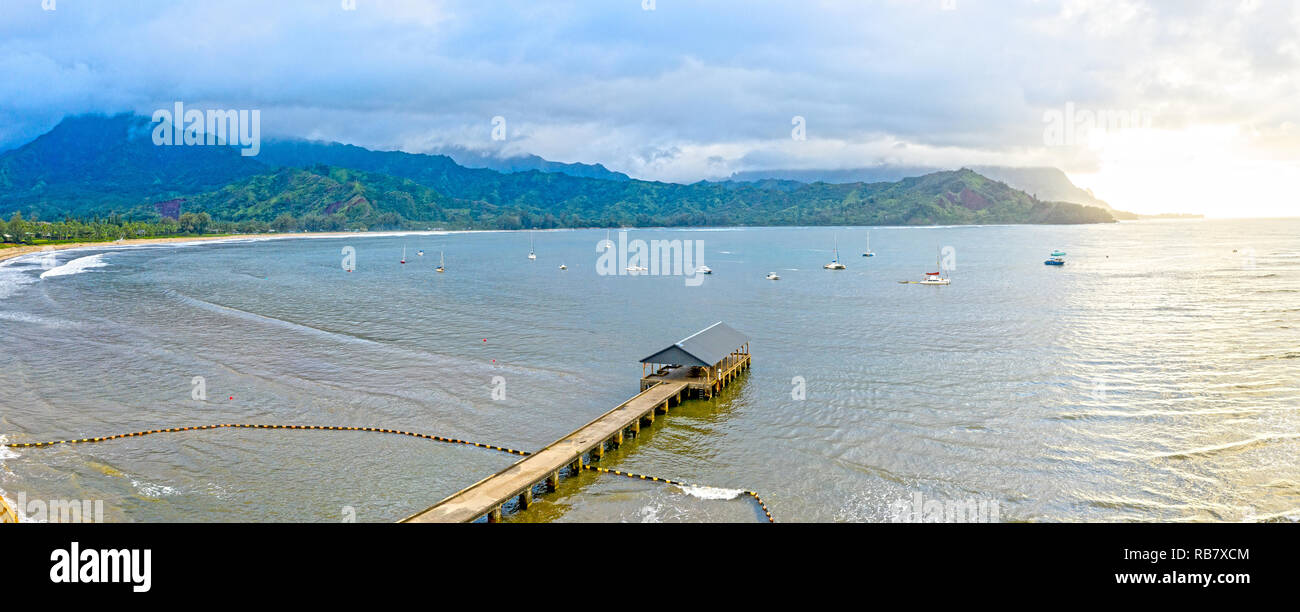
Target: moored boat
x,y
835,263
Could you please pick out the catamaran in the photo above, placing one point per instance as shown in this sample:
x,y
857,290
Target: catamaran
x,y
835,263
868,253
936,278
931,278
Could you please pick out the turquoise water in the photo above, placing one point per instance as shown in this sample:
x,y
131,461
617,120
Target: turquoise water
x,y
1156,376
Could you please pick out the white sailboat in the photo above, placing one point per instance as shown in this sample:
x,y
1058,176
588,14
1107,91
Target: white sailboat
x,y
440,267
868,253
835,263
403,253
936,278
531,255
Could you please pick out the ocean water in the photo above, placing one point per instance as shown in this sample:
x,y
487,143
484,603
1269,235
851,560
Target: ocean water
x,y
1155,377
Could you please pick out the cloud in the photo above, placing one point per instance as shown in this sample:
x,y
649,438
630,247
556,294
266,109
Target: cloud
x,y
682,92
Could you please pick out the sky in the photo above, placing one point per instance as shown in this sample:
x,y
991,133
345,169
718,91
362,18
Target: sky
x,y
1178,106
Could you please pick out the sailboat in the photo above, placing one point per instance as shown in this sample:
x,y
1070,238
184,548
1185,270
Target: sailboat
x,y
931,278
531,255
835,263
868,253
403,253
608,243
440,267
935,278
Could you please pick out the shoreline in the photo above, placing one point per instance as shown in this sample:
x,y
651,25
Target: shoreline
x,y
9,253
15,252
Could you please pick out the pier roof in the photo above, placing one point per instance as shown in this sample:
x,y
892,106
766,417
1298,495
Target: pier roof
x,y
702,348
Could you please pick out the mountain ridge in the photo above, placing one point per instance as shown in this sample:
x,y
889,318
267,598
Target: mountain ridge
x,y
101,165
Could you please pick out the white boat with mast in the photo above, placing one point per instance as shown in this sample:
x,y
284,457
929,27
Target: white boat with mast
x,y
932,278
440,267
835,263
403,253
531,255
868,253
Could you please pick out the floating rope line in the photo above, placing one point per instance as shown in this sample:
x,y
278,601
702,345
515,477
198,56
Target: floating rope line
x,y
256,426
370,429
677,483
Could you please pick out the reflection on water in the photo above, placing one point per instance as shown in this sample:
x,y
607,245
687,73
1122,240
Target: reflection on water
x,y
1154,377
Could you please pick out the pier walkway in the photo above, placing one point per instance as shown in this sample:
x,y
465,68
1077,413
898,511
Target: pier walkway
x,y
518,481
700,364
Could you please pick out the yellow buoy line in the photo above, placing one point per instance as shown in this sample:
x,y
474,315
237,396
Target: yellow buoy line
x,y
6,511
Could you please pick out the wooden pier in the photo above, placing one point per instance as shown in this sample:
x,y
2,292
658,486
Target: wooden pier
x,y
7,515
660,392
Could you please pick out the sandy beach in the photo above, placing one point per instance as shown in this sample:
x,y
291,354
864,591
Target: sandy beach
x,y
12,252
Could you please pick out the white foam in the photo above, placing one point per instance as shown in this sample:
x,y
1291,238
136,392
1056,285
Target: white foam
x,y
650,514
712,492
12,278
25,317
150,489
76,266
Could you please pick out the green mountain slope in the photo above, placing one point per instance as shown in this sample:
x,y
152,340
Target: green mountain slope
x,y
96,166
93,165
